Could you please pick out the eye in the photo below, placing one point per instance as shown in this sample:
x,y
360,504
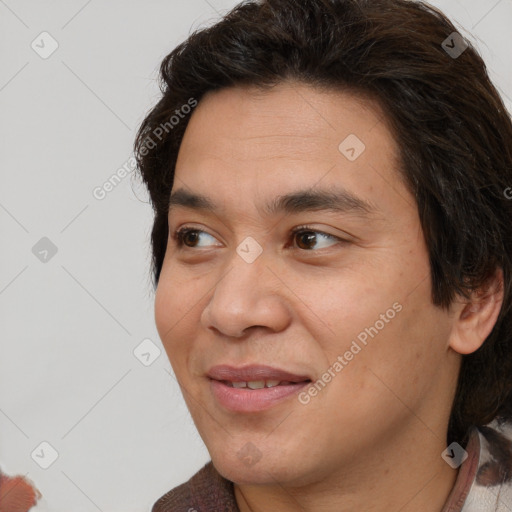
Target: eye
x,y
307,238
190,237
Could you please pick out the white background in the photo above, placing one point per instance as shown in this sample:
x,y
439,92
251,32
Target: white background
x,y
69,326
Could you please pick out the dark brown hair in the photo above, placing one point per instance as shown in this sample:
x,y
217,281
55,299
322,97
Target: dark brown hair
x,y
451,126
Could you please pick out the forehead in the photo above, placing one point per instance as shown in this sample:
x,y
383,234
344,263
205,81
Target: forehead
x,y
281,117
257,143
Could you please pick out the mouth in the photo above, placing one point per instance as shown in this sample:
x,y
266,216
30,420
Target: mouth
x,y
255,373
253,388
260,384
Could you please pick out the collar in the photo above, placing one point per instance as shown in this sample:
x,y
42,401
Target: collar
x,y
484,481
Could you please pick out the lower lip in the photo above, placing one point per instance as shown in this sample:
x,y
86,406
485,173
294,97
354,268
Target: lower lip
x,y
252,400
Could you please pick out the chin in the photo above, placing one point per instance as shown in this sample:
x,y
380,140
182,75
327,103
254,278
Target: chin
x,y
265,471
241,474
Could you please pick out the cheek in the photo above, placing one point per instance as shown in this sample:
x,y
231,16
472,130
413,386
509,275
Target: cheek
x,y
336,309
401,358
165,309
374,321
174,308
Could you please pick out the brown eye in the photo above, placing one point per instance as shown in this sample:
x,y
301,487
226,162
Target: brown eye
x,y
305,239
190,238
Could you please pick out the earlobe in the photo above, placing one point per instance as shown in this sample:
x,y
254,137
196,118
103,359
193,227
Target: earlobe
x,y
475,319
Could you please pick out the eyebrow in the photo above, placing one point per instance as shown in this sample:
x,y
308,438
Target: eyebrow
x,y
338,200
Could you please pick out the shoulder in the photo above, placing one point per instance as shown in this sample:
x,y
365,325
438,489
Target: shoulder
x,y
492,488
205,491
496,454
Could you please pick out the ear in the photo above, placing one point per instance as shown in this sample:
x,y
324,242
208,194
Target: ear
x,y
475,318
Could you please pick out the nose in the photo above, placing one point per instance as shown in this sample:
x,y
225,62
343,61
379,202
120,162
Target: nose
x,y
248,296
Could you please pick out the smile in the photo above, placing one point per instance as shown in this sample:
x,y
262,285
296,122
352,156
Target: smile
x,y
253,396
257,384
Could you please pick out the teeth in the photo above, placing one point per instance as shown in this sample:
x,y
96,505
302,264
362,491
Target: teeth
x,y
255,384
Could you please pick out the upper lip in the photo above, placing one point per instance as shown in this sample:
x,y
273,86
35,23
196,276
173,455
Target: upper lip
x,y
253,372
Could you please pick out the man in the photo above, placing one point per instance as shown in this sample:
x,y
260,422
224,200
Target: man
x,y
331,250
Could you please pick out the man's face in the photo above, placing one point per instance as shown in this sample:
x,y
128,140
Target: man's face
x,y
352,287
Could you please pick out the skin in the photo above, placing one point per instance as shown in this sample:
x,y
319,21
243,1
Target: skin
x,y
383,418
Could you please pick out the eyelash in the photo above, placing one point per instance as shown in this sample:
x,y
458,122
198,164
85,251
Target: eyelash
x,y
179,235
